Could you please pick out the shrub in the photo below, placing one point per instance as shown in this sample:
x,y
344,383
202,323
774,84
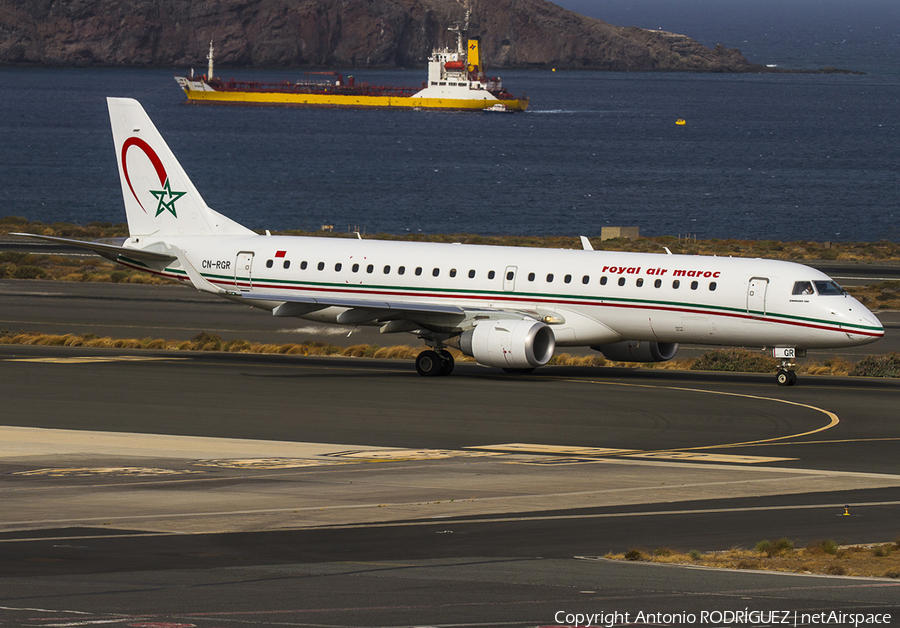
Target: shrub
x,y
28,272
763,546
737,360
13,257
634,554
694,554
770,548
878,366
206,342
237,346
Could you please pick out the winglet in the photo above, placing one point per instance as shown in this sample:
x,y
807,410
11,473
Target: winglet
x,y
586,244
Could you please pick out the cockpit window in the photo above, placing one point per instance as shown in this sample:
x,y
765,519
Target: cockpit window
x,y
803,287
829,288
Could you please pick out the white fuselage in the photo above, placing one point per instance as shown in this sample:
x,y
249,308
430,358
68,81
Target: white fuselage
x,y
596,297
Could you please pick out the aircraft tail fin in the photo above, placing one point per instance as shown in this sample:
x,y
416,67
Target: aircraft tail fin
x,y
159,197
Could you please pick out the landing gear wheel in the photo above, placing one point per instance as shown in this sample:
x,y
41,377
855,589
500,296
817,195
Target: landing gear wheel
x,y
429,364
448,363
786,378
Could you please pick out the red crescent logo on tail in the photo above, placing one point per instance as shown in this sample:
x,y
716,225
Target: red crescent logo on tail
x,y
151,155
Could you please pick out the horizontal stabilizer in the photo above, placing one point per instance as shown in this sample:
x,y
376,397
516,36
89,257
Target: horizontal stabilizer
x,y
109,251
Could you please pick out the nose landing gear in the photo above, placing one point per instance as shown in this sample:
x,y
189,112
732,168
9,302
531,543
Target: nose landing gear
x,y
786,375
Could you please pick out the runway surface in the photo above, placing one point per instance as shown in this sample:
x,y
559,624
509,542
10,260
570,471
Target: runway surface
x,y
153,488
227,490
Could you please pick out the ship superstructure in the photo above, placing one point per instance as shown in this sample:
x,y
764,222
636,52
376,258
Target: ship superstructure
x,y
456,80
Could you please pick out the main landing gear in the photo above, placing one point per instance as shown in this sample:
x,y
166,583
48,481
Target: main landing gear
x,y
433,363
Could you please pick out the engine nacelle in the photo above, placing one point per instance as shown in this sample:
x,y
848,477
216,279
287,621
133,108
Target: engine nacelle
x,y
638,351
516,344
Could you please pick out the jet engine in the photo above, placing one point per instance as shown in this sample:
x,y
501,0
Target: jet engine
x,y
511,344
638,351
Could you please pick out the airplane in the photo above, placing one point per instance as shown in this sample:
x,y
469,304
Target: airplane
x,y
507,307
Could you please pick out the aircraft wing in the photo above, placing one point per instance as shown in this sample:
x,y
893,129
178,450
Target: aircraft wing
x,y
370,304
109,251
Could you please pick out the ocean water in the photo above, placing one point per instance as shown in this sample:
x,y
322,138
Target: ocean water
x,y
788,157
801,34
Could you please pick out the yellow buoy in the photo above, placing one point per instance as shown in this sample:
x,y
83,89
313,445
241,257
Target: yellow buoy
x,y
680,122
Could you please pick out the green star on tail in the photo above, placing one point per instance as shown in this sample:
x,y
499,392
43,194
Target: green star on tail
x,y
161,197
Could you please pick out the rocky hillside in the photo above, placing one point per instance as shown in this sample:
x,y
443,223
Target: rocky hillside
x,y
334,33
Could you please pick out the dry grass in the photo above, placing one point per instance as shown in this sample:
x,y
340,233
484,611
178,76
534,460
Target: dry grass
x,y
878,296
212,342
825,557
870,366
14,265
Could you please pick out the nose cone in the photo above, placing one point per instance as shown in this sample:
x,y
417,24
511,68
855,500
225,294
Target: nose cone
x,y
862,325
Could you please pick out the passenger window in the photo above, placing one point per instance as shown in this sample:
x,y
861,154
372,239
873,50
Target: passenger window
x,y
676,284
568,278
321,266
586,279
621,281
401,270
550,278
355,268
418,271
829,289
510,275
603,280
712,286
338,267
657,283
287,263
694,285
453,272
370,268
472,274
269,263
302,265
639,282
491,274
530,276
387,270
802,287
436,272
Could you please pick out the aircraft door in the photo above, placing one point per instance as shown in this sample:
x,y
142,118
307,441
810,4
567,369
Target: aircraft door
x,y
756,296
242,277
509,279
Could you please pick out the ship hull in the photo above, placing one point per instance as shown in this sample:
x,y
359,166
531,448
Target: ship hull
x,y
207,96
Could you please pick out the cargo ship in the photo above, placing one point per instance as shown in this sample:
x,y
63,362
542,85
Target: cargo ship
x,y
456,81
